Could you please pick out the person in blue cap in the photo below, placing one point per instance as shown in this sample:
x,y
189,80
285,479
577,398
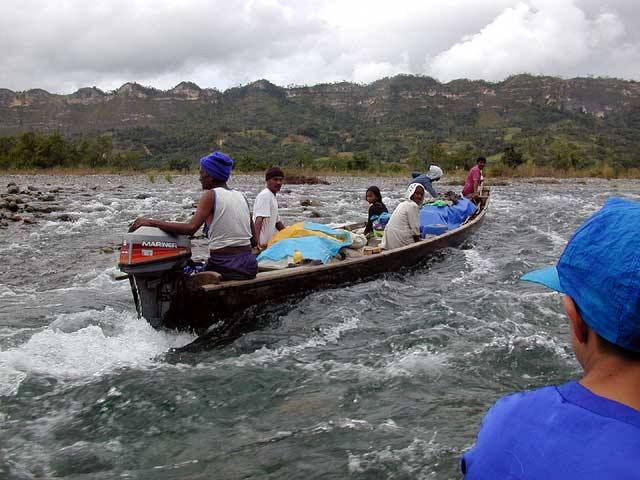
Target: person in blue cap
x,y
588,429
228,224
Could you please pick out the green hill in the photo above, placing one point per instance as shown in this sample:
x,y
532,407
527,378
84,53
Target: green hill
x,y
575,123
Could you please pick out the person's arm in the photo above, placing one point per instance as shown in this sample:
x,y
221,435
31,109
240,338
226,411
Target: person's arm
x,y
414,222
257,228
203,210
476,183
253,240
429,188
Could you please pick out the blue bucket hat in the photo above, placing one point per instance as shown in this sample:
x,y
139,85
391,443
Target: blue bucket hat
x,y
600,270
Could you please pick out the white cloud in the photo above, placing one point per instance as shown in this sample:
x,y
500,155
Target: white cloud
x,y
61,46
542,37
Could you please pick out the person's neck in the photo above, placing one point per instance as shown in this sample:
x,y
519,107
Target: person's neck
x,y
613,377
217,184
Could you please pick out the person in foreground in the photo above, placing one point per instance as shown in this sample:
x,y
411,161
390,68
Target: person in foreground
x,y
473,183
228,225
266,221
588,429
428,179
374,198
404,225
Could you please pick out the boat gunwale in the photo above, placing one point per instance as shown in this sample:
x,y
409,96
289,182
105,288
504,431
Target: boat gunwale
x,y
304,270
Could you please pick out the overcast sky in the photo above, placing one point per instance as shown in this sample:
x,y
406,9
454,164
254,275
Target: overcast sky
x,y
61,45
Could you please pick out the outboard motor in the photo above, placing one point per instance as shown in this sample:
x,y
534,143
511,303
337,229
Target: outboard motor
x,y
154,261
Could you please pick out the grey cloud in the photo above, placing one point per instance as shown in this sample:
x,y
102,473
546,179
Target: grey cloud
x,y
61,46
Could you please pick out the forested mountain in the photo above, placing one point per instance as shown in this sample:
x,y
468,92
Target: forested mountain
x,y
575,123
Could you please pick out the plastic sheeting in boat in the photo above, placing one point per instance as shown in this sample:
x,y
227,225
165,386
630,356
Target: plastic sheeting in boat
x,y
314,240
452,216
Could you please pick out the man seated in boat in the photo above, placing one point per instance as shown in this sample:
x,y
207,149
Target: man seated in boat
x,y
228,224
266,221
473,184
404,225
589,428
427,179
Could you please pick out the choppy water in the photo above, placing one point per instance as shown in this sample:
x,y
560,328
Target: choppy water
x,y
386,379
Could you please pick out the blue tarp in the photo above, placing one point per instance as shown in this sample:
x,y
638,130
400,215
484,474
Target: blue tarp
x,y
312,247
452,216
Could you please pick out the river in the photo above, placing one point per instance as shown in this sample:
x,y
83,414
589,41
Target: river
x,y
386,379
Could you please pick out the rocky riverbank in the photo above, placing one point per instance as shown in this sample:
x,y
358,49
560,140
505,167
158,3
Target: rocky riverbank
x,y
28,204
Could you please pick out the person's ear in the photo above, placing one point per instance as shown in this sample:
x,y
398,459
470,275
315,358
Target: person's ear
x,y
578,326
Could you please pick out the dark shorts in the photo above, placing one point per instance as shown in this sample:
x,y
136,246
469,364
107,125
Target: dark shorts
x,y
233,266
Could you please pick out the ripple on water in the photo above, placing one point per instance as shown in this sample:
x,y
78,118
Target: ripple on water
x,y
84,345
384,379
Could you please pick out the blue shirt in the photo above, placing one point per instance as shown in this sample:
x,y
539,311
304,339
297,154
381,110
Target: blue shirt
x,y
563,432
426,183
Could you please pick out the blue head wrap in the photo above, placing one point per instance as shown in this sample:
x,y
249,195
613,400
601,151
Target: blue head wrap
x,y
217,165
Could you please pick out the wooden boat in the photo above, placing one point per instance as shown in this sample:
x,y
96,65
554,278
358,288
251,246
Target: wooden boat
x,y
173,300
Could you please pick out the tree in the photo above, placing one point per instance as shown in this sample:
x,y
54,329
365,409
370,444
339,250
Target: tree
x,y
511,157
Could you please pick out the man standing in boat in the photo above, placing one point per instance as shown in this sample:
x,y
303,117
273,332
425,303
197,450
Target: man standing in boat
x,y
473,184
591,428
228,225
266,221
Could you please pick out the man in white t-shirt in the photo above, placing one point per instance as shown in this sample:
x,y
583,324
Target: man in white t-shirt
x,y
266,221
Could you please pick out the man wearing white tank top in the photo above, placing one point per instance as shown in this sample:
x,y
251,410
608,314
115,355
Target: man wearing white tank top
x,y
228,224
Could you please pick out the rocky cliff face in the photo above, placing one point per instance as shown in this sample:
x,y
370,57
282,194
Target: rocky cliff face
x,y
90,109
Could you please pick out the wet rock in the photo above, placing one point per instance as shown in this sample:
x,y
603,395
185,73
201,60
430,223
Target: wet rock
x,y
4,223
142,196
302,179
13,198
15,218
47,198
12,206
307,202
32,188
13,188
65,217
106,250
55,190
315,214
38,208
30,221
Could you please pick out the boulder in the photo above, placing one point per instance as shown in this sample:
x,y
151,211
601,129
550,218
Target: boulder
x,y
65,217
307,202
302,179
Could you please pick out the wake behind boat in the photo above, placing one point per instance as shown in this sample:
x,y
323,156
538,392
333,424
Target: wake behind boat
x,y
166,297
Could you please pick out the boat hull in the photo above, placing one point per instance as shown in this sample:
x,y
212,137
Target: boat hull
x,y
199,308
